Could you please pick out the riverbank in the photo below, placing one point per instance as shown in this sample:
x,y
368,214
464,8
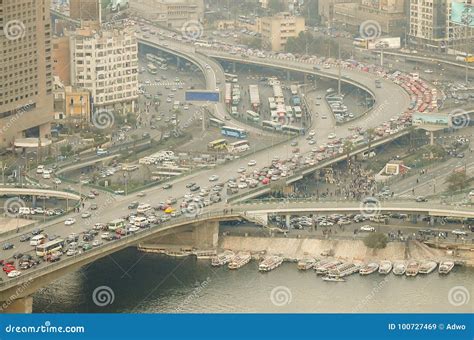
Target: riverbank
x,y
350,250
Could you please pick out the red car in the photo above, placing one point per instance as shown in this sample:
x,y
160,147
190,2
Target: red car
x,y
8,268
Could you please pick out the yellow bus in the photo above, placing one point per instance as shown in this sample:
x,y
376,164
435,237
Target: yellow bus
x,y
49,247
218,144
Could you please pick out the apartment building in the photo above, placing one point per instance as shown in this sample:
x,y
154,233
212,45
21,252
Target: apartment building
x,y
277,29
26,82
105,63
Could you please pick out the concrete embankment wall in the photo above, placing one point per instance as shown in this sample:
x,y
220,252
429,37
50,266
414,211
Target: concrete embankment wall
x,y
294,248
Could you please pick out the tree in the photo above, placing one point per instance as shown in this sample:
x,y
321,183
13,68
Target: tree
x,y
276,6
457,181
376,240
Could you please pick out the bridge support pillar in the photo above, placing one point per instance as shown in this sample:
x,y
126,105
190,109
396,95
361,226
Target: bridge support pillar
x,y
33,201
233,68
288,75
287,221
178,62
18,306
206,235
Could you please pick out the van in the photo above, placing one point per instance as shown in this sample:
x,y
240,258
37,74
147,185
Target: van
x,y
141,222
39,169
24,211
116,224
143,208
37,240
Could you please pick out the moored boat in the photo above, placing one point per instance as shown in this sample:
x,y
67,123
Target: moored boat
x,y
399,268
427,267
205,254
270,263
222,258
369,268
333,279
413,268
240,260
385,267
326,267
344,269
445,267
306,263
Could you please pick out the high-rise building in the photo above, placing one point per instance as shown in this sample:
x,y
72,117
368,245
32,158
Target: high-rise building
x,y
277,29
105,63
26,82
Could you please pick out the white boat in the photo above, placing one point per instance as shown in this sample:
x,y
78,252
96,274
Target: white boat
x,y
177,253
413,268
205,254
324,268
427,267
399,268
222,258
333,279
344,269
445,267
240,260
270,262
306,263
369,268
385,267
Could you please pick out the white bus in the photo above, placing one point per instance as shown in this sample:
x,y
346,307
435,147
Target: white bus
x,y
297,112
269,125
116,224
252,116
240,146
49,247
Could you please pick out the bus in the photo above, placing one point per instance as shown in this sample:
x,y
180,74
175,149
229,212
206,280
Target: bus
x,y
218,144
156,60
360,42
152,69
231,77
116,224
252,116
293,130
49,247
269,125
228,93
233,132
297,112
216,122
240,146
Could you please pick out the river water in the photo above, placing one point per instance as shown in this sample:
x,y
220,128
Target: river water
x,y
134,282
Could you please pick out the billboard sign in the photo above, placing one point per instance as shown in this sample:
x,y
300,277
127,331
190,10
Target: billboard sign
x,y
384,43
202,96
462,14
431,120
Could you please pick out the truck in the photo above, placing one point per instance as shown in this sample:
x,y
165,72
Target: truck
x,y
254,96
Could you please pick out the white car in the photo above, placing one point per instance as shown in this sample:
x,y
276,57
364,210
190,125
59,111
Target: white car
x,y
459,232
367,228
97,243
46,175
86,214
14,273
241,170
133,229
105,235
213,178
252,163
332,136
428,71
70,221
242,185
312,133
57,181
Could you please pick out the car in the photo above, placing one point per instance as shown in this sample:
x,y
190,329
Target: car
x,y
213,178
195,188
90,196
428,71
8,267
459,232
294,143
191,184
17,255
241,170
86,214
53,237
8,245
167,186
141,194
86,246
242,185
72,252
57,181
36,231
331,136
133,205
367,228
72,237
14,273
24,238
252,163
421,199
460,155
70,221
94,206
105,235
97,243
